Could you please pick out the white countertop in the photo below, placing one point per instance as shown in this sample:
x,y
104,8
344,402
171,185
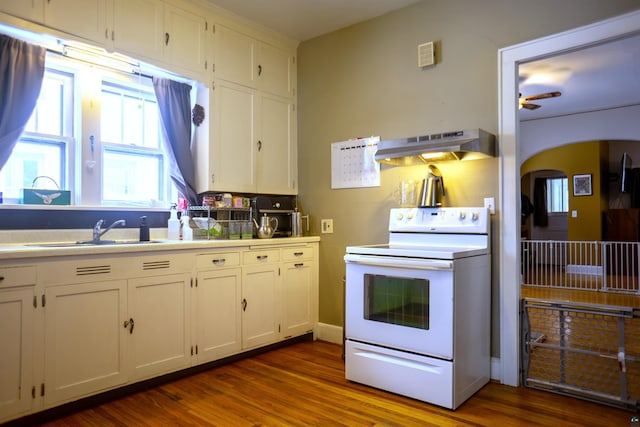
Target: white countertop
x,y
20,250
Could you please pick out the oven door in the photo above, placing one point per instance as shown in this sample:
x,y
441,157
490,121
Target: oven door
x,y
400,303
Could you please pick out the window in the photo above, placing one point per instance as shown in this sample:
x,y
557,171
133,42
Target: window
x,y
133,160
96,132
557,195
44,147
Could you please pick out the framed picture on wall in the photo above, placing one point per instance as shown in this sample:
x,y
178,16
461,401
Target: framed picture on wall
x,y
582,185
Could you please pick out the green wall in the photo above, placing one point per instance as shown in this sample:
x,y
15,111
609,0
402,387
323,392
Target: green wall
x,y
364,80
578,159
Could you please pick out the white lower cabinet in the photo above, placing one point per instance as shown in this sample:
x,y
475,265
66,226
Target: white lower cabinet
x,y
16,357
300,288
85,343
158,324
260,297
217,331
79,326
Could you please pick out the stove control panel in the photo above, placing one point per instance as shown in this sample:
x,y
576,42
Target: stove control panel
x,y
472,220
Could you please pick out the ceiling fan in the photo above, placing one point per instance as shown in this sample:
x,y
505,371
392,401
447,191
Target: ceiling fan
x,y
523,102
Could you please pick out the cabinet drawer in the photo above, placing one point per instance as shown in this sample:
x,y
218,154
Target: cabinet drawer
x,y
294,254
17,276
218,260
261,256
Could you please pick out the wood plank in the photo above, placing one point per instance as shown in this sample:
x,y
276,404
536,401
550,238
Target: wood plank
x,y
303,384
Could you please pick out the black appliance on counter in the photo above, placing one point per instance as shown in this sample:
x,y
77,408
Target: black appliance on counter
x,y
279,207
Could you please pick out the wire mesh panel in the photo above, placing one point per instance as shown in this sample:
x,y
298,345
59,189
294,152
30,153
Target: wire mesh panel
x,y
586,351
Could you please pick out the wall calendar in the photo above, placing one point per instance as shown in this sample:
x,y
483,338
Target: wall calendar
x,y
353,163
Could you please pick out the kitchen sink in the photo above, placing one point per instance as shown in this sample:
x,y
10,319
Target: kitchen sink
x,y
92,243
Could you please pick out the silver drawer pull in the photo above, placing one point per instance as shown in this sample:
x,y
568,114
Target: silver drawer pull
x,y
218,261
262,257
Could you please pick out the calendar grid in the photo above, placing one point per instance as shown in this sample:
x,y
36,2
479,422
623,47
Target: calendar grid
x,y
353,163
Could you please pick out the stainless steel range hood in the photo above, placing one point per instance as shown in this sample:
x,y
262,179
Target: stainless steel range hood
x,y
456,145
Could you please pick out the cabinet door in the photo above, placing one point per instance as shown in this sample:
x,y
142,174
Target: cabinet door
x,y
217,300
159,339
185,40
16,357
277,161
86,19
31,10
260,295
234,56
85,342
139,28
233,145
299,300
275,70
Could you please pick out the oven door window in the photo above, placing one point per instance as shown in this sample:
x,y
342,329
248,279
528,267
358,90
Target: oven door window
x,y
397,300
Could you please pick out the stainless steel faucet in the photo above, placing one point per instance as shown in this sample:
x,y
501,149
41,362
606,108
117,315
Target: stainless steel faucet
x,y
99,232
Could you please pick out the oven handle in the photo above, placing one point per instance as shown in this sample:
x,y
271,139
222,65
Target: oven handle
x,y
380,261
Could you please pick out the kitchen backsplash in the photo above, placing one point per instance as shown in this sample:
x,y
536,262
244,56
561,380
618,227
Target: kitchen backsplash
x,y
69,219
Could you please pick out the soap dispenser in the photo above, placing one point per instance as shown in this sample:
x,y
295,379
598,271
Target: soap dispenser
x,y
144,229
173,226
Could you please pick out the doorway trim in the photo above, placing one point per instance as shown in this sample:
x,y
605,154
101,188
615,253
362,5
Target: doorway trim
x,y
508,130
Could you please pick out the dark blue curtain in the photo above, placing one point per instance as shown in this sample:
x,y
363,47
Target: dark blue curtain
x,y
21,73
174,102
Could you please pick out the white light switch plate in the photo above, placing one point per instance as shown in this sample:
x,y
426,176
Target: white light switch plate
x,y
326,225
490,203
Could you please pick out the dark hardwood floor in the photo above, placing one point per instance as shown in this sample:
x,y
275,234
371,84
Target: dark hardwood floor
x,y
303,384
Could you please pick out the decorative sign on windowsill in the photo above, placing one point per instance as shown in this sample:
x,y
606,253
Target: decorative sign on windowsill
x,y
353,163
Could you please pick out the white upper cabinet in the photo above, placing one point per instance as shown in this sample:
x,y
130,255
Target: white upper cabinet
x,y
31,10
154,31
87,19
234,56
232,156
138,28
160,32
276,159
244,60
249,145
184,38
275,70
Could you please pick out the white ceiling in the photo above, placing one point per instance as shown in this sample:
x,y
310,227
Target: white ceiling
x,y
591,79
305,19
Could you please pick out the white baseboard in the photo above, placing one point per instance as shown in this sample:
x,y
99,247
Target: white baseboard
x,y
496,369
330,333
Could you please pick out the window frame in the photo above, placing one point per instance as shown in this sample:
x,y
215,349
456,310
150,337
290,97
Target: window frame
x,y
67,140
565,196
132,85
82,155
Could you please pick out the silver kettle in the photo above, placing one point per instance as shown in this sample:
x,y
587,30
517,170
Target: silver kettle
x,y
265,230
432,188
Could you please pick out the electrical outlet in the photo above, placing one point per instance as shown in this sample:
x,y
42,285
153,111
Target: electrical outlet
x,y
326,225
490,203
